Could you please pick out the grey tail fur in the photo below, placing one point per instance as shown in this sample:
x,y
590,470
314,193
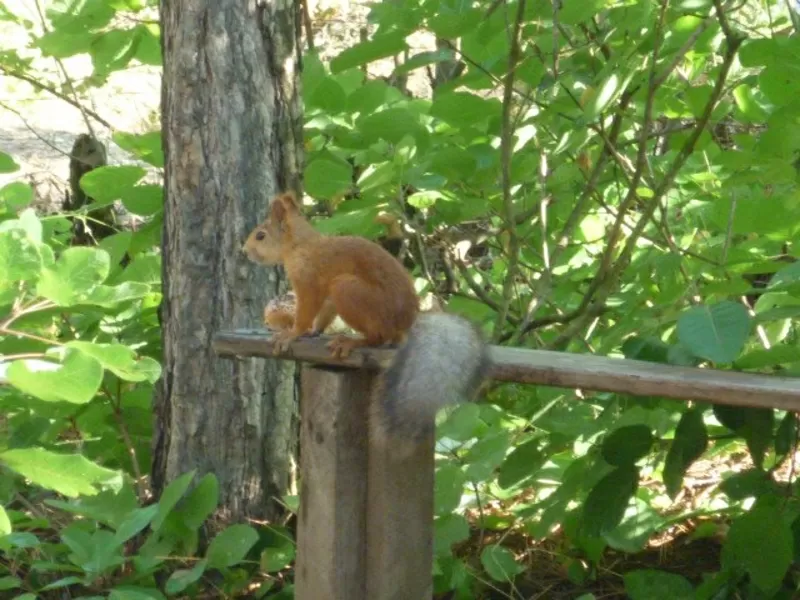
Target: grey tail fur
x,y
443,361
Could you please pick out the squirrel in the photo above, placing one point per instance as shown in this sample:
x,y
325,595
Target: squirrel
x,y
442,358
279,312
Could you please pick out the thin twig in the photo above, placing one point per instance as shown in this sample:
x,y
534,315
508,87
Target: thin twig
x,y
51,90
506,149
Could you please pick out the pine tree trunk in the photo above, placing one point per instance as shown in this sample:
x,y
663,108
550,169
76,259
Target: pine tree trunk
x,y
232,134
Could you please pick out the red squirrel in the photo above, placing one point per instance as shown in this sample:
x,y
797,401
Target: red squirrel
x,y
441,357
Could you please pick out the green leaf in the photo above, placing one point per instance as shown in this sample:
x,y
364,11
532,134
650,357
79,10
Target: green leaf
x,y
107,184
183,578
231,546
422,59
201,502
717,332
20,259
116,245
769,357
746,101
455,23
5,522
732,417
110,507
573,13
136,522
120,360
277,559
61,44
786,436
776,86
751,483
521,464
499,563
112,50
170,497
79,17
380,46
754,424
463,109
650,584
448,530
606,503
10,583
146,146
77,379
449,486
325,178
608,91
68,474
62,583
110,296
761,542
640,523
689,444
77,271
392,124
15,196
135,593
462,423
148,52
329,96
487,454
757,433
7,164
144,200
626,445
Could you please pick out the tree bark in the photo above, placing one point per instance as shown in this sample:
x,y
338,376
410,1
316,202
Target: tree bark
x,y
232,134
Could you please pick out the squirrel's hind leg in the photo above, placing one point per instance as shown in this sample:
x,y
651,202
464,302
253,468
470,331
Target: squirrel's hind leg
x,y
364,308
324,318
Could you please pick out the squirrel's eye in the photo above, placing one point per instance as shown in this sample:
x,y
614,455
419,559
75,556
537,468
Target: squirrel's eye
x,y
260,236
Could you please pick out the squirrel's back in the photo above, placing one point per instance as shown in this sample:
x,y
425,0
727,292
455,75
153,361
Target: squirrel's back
x,y
443,361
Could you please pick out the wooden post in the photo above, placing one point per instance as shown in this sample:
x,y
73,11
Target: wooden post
x,y
400,524
366,517
332,529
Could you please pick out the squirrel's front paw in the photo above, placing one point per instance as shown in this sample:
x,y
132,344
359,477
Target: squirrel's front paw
x,y
282,340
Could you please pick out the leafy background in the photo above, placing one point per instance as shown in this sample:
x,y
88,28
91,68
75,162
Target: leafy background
x,y
612,177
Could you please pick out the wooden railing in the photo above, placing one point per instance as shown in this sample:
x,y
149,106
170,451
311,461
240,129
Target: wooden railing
x,y
366,517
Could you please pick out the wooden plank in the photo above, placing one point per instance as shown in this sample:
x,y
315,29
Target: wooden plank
x,y
400,523
640,378
332,528
561,369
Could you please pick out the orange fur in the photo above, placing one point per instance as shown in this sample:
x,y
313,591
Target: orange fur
x,y
349,276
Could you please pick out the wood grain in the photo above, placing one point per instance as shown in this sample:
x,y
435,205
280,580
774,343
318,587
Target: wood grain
x,y
332,525
560,369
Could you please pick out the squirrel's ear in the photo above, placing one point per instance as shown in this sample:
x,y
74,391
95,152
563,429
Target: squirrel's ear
x,y
289,200
277,210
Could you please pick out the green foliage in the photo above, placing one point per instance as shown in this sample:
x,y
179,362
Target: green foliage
x,y
118,540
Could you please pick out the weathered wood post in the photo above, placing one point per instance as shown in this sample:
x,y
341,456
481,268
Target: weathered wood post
x,y
366,518
332,525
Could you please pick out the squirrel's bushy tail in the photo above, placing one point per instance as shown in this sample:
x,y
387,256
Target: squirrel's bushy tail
x,y
443,361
